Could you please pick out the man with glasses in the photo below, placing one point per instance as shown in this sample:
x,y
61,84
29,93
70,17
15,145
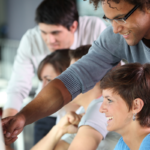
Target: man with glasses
x,y
121,20
128,38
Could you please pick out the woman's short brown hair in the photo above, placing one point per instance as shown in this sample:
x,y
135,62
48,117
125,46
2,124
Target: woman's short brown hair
x,y
131,81
59,59
79,52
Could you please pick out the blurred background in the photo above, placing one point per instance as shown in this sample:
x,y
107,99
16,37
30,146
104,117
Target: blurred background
x,y
16,17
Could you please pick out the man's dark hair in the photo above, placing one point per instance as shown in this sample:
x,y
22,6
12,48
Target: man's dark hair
x,y
57,12
59,59
79,52
141,3
131,81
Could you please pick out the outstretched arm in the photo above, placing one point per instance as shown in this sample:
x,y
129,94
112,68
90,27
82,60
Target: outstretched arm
x,y
68,124
53,97
50,140
79,77
49,100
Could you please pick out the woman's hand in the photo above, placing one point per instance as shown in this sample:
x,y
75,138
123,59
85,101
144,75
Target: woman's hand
x,y
69,123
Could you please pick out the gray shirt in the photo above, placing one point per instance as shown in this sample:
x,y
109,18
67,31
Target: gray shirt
x,y
94,118
105,53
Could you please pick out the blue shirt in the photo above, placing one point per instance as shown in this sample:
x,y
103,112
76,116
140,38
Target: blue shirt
x,y
145,145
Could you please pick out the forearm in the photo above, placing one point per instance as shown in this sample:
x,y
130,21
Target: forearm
x,y
54,96
50,140
62,145
86,134
9,112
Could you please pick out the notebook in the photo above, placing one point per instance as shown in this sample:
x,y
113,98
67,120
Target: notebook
x,y
1,138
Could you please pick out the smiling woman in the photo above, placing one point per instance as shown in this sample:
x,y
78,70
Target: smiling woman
x,y
126,104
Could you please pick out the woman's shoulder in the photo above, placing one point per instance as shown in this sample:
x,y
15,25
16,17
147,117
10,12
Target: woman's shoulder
x,y
145,145
121,145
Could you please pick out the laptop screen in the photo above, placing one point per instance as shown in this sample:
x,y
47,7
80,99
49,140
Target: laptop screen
x,y
1,138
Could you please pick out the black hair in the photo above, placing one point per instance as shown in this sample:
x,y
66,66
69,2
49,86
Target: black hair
x,y
57,12
141,3
79,52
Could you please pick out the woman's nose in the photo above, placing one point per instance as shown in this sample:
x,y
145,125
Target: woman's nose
x,y
103,108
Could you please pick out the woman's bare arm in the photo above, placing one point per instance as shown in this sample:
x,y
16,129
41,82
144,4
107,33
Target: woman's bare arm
x,y
68,124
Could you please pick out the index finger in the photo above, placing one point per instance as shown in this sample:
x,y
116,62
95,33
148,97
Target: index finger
x,y
5,123
5,120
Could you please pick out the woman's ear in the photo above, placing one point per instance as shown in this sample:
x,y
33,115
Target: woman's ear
x,y
137,105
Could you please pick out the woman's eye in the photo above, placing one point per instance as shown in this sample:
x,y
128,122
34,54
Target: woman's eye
x,y
48,80
109,101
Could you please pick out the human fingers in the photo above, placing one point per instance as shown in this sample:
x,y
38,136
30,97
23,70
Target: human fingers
x,y
16,132
6,120
9,141
5,123
15,126
13,131
74,118
70,118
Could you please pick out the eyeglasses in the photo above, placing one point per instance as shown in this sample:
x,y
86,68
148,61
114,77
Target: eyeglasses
x,y
121,20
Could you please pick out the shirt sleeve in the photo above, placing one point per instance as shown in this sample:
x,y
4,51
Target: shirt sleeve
x,y
94,118
21,79
87,71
